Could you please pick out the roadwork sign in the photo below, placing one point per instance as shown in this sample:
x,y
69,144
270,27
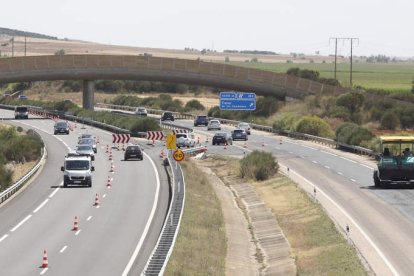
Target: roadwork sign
x,y
171,141
178,155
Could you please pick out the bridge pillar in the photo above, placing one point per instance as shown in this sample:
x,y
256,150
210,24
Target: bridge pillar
x,y
88,94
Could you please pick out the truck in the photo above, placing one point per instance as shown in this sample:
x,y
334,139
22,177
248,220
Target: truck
x,y
77,170
396,161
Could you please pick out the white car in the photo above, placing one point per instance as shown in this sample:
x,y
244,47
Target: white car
x,y
214,124
244,126
185,139
141,111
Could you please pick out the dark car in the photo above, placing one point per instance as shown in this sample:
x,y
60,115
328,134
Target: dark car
x,y
133,151
222,138
239,134
167,116
201,121
61,127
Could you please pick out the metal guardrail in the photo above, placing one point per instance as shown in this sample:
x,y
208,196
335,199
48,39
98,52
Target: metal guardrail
x,y
166,241
292,134
15,187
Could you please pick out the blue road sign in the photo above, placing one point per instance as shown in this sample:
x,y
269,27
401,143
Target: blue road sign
x,y
237,101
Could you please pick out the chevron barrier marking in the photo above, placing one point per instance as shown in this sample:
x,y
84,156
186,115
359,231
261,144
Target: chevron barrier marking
x,y
155,135
120,138
175,131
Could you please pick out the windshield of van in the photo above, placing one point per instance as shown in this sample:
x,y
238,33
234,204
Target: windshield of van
x,y
21,109
77,165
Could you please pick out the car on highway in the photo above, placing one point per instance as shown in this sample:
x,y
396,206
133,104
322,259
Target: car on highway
x,y
167,116
21,112
133,151
239,134
77,170
86,150
89,141
201,120
214,125
141,111
22,97
185,139
86,136
222,138
245,126
61,127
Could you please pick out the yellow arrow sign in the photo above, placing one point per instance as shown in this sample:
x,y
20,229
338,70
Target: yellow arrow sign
x,y
171,141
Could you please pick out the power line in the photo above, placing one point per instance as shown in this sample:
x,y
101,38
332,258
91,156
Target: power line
x,y
351,39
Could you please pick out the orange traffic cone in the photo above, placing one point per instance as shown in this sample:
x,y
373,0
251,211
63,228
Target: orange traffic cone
x,y
153,142
245,145
110,155
280,141
45,260
198,140
112,168
108,184
107,148
263,144
97,140
206,139
117,147
123,146
225,145
162,153
75,225
96,200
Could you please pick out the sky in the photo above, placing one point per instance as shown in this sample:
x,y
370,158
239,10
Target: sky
x,y
300,26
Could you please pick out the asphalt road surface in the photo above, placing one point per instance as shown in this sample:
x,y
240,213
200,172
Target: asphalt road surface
x,y
122,228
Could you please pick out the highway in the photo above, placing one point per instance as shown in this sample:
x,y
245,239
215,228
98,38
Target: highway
x,y
386,216
112,235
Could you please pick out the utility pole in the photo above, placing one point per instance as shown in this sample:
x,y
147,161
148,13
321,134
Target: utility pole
x,y
351,39
13,46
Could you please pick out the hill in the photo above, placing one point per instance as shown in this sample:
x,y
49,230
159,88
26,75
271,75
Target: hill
x,y
11,32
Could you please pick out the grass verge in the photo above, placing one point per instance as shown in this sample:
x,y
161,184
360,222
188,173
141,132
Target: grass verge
x,y
200,248
318,247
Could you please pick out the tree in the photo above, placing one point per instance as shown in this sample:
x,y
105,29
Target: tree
x,y
390,121
60,52
353,101
314,125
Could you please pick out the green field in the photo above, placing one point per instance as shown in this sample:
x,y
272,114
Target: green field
x,y
387,76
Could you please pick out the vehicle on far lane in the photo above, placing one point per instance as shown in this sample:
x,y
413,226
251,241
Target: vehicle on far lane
x,y
185,139
21,112
201,120
61,127
89,141
239,134
167,116
141,111
222,138
214,124
245,126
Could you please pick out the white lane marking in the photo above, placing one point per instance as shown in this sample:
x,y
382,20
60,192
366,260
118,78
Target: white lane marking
x,y
63,249
44,271
291,152
55,191
315,162
339,173
151,217
327,167
309,147
41,205
348,216
20,223
104,196
89,218
77,232
327,152
4,237
347,159
366,166
353,180
277,148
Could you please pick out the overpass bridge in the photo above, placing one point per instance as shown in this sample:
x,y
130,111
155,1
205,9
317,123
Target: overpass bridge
x,y
118,67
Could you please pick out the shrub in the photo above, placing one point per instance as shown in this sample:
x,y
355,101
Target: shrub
x,y
314,125
340,112
266,106
287,121
258,165
352,134
390,121
194,105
